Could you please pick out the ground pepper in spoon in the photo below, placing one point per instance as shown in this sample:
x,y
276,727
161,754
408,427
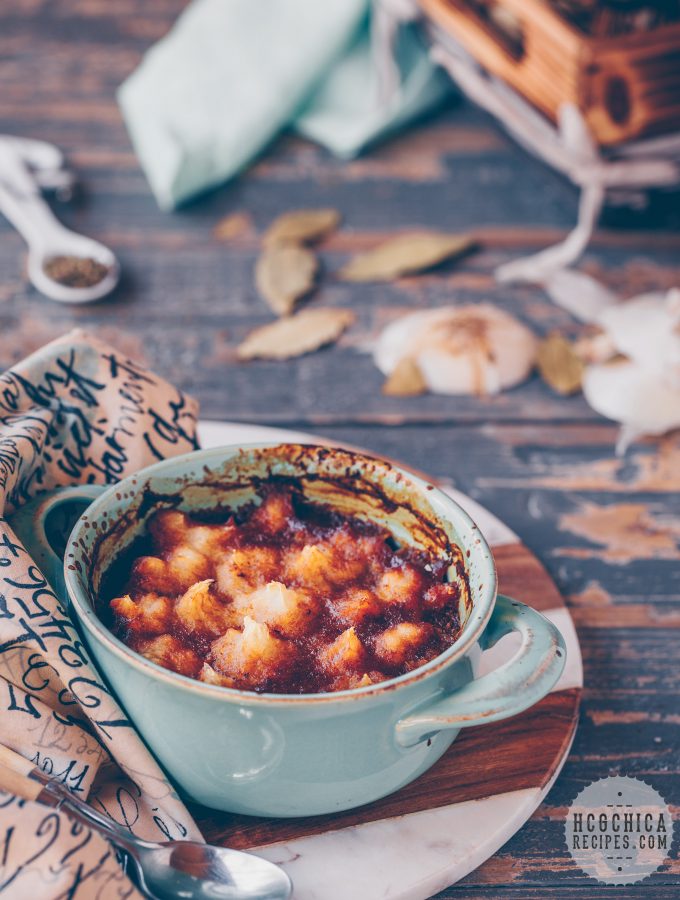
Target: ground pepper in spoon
x,y
62,264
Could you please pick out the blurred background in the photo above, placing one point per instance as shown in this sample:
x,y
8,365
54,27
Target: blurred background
x,y
187,295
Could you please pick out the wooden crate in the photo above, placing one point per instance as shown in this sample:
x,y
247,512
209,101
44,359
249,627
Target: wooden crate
x,y
626,86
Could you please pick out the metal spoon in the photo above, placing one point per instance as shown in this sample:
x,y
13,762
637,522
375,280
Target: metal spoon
x,y
177,869
24,167
185,869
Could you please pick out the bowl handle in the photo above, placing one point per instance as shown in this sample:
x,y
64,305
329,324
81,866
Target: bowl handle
x,y
513,687
31,524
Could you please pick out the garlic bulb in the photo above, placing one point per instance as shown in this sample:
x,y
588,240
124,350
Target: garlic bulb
x,y
475,349
642,391
646,329
637,397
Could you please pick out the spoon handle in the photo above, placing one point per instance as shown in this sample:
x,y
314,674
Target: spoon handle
x,y
19,785
29,214
19,776
14,761
54,794
21,201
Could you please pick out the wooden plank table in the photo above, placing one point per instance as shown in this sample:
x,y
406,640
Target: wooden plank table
x,y
607,529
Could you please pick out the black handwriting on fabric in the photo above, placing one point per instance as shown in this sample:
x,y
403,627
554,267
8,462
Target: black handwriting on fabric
x,y
104,726
15,706
10,459
27,484
34,664
26,636
128,805
39,589
126,809
44,622
71,395
86,692
75,459
98,872
70,719
8,549
6,843
130,410
78,830
170,429
54,736
66,877
5,612
54,392
113,461
10,396
48,828
73,655
163,827
24,432
119,367
69,776
74,778
29,425
65,380
59,629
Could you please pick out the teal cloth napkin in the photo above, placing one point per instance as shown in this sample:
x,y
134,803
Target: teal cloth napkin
x,y
345,113
232,73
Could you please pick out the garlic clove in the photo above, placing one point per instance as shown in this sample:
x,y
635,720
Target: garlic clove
x,y
474,349
629,393
395,340
469,373
578,293
645,329
595,348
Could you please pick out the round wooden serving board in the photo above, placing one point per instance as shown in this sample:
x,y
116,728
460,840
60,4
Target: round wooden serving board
x,y
442,826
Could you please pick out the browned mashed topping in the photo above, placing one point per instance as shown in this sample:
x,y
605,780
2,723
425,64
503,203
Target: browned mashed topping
x,y
285,597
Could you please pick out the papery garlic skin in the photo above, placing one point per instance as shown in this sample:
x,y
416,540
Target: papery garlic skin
x,y
473,349
629,393
595,348
584,297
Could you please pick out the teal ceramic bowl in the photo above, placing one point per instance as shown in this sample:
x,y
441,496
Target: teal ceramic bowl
x,y
299,755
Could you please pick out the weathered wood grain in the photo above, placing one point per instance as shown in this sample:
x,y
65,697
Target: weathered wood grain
x,y
543,463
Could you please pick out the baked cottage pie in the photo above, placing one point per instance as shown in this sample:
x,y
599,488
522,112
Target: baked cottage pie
x,y
285,597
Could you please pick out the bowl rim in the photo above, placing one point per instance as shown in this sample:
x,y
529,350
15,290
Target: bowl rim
x,y
444,505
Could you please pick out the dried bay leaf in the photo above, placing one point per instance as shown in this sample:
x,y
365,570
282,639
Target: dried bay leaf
x,y
406,380
284,273
302,226
405,254
295,335
233,227
559,365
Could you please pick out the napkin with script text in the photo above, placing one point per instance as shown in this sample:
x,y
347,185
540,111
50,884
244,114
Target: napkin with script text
x,y
74,412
